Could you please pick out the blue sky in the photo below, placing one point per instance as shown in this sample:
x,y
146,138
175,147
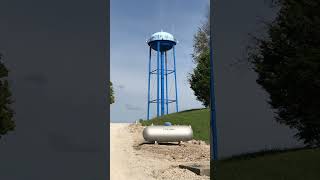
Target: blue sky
x,y
131,23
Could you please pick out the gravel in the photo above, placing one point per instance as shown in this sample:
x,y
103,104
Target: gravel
x,y
132,158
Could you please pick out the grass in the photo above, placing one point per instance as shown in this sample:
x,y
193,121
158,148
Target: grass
x,y
296,164
199,119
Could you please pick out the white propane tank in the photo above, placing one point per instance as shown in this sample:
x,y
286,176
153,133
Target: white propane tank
x,y
174,133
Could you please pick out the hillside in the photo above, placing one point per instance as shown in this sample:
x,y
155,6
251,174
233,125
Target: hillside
x,y
199,119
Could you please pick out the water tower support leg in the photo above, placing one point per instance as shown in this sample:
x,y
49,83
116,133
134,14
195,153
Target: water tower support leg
x,y
149,74
175,77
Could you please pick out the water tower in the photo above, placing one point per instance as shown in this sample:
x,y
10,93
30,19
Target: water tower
x,y
162,43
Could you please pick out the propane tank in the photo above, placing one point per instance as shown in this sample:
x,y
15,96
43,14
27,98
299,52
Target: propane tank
x,y
173,133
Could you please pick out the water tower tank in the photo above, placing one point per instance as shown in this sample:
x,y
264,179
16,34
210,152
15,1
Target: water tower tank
x,y
167,41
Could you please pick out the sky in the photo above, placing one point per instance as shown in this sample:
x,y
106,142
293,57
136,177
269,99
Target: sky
x,y
131,24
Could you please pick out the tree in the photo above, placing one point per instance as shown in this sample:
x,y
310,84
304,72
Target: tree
x,y
287,62
111,93
6,113
199,79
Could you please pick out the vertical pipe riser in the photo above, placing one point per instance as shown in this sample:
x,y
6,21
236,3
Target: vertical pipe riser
x,y
166,71
158,59
162,84
214,138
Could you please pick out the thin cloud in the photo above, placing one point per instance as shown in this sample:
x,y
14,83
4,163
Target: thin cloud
x,y
133,107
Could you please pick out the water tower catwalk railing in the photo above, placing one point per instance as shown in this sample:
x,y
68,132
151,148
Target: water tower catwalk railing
x,y
162,42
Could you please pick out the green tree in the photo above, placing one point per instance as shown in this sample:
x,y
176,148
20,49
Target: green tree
x,y
199,79
112,99
6,113
287,62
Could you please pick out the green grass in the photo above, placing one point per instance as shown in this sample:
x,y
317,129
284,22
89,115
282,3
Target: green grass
x,y
199,119
297,164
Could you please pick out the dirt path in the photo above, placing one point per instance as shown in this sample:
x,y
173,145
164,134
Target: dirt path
x,y
131,159
122,158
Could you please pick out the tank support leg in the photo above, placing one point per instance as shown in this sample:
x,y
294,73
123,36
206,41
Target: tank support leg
x,y
149,76
175,77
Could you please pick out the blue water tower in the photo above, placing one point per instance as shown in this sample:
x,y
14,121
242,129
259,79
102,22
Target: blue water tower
x,y
162,42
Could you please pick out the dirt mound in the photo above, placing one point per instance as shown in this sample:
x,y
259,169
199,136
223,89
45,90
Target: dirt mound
x,y
173,152
175,173
191,151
